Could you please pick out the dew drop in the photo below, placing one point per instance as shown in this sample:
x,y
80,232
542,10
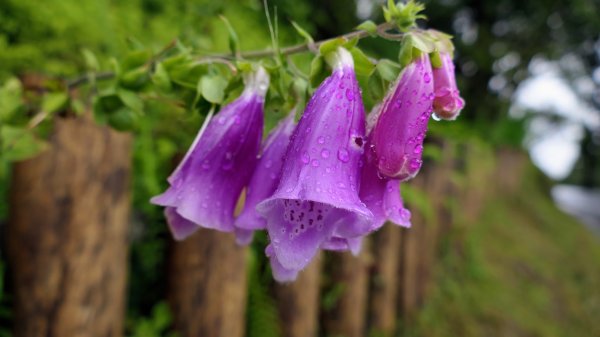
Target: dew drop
x,y
325,153
427,78
314,163
435,117
415,164
349,94
305,158
418,149
321,140
343,155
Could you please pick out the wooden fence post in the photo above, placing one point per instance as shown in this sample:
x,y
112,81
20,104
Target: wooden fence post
x,y
207,285
67,233
348,316
298,302
384,280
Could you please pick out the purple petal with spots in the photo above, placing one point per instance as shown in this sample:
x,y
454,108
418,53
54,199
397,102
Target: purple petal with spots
x,y
204,189
398,134
447,102
317,197
266,175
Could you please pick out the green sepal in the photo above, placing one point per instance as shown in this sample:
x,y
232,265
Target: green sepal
x,y
369,27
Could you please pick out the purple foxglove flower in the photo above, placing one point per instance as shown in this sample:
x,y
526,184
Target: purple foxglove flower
x,y
265,178
447,102
317,197
382,197
204,189
398,133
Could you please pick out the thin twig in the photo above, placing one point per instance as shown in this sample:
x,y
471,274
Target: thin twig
x,y
299,48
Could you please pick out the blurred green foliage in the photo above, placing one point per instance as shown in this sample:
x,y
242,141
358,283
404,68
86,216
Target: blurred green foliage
x,y
66,38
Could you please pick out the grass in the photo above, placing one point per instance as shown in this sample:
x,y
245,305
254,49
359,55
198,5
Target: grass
x,y
523,269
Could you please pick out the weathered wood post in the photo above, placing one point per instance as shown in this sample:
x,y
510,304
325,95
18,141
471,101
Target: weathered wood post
x,y
67,233
298,302
384,281
348,316
207,285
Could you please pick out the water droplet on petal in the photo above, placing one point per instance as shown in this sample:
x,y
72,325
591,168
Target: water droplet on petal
x,y
418,149
349,94
305,158
427,78
343,155
315,163
321,140
325,153
435,117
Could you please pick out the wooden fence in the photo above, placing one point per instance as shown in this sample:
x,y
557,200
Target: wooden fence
x,y
67,249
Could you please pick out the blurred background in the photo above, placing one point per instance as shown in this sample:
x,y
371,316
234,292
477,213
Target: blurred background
x,y
506,211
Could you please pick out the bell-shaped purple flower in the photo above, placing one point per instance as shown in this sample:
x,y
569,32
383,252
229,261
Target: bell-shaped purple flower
x,y
382,197
205,188
317,197
265,178
399,131
447,102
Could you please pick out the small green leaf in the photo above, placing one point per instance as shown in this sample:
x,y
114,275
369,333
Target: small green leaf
x,y
303,33
388,70
405,55
423,42
10,99
212,88
362,64
436,60
135,59
123,119
131,100
54,102
19,143
234,40
161,79
376,86
331,45
318,71
134,79
369,27
91,62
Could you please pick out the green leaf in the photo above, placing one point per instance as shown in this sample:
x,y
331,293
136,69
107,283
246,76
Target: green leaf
x,y
19,143
161,78
10,99
123,119
362,63
134,79
369,27
423,42
54,102
303,33
234,40
405,56
388,70
91,62
212,88
376,86
331,45
131,100
135,59
318,71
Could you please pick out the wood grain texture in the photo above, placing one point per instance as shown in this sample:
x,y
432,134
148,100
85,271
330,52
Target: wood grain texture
x,y
207,287
348,317
67,233
298,302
